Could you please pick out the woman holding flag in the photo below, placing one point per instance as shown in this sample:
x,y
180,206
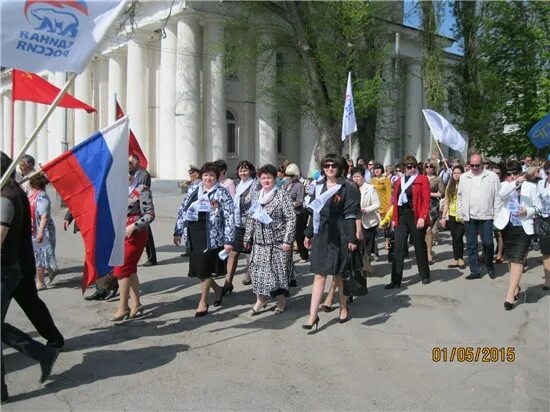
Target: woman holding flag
x,y
205,223
141,212
331,234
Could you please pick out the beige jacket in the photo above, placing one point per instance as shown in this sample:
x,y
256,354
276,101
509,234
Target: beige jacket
x,y
370,203
490,201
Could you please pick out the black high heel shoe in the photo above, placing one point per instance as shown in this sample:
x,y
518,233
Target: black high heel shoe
x,y
508,305
309,327
201,313
340,320
392,285
227,289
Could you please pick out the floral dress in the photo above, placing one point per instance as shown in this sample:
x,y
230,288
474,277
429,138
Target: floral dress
x,y
44,252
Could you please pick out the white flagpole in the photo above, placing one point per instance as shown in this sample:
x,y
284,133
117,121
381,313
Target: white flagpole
x,y
440,151
39,127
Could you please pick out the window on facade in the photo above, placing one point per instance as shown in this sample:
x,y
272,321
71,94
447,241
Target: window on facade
x,y
280,67
231,133
279,137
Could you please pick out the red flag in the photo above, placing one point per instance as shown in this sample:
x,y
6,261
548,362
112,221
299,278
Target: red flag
x,y
133,145
33,88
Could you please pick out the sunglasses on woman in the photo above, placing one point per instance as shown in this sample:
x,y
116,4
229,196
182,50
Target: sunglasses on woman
x,y
330,165
411,166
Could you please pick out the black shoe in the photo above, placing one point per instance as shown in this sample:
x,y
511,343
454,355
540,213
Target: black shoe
x,y
462,266
508,305
491,272
56,344
392,285
425,281
246,282
227,289
47,365
308,327
202,313
111,293
292,283
97,295
350,299
473,276
150,263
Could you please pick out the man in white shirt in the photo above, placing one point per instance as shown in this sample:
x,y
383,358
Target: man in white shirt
x,y
477,204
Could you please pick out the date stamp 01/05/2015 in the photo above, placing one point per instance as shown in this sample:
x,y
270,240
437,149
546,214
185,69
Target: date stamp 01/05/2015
x,y
470,354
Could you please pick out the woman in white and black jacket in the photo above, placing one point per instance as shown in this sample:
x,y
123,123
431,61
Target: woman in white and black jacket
x,y
515,220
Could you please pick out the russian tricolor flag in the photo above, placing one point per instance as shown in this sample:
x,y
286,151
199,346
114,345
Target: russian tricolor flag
x,y
92,179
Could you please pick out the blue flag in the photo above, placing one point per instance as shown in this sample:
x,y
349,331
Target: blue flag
x,y
540,133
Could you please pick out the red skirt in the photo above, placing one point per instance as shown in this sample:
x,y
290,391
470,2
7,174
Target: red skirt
x,y
133,249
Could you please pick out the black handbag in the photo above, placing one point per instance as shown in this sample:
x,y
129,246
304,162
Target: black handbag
x,y
355,279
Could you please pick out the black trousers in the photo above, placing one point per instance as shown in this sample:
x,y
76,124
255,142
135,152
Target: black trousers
x,y
457,234
301,223
26,295
406,228
11,336
150,247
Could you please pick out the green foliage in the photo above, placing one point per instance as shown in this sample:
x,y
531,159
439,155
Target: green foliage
x,y
432,55
337,37
503,89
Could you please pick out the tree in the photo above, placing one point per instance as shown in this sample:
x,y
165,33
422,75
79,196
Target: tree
x,y
432,57
330,38
503,84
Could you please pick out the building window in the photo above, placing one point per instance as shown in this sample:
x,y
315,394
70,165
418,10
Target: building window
x,y
280,148
279,67
232,143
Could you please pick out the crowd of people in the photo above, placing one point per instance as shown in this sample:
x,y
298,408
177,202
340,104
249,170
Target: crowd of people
x,y
332,219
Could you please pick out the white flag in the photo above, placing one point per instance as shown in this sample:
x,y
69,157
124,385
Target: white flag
x,y
58,35
349,124
443,131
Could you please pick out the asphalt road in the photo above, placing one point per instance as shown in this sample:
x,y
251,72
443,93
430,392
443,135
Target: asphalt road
x,y
380,360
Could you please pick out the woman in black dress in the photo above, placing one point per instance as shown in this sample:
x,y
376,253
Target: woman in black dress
x,y
331,234
205,224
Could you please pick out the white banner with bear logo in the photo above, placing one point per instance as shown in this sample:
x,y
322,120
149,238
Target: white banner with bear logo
x,y
56,35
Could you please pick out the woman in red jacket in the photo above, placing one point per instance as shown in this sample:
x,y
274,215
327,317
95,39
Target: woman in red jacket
x,y
411,208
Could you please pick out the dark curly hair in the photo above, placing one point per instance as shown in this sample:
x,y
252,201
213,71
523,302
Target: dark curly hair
x,y
269,169
211,167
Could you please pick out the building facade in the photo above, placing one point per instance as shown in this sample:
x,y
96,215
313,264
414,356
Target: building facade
x,y
169,77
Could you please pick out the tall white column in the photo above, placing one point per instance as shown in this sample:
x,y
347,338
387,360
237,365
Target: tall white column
x,y
137,89
308,140
101,92
19,127
166,147
413,120
117,83
83,121
266,123
42,139
214,92
6,123
188,111
30,123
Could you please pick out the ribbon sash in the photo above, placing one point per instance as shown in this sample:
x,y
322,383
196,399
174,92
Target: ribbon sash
x,y
404,186
241,188
319,203
202,204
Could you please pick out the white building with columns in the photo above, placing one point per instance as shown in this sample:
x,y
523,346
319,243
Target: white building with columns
x,y
169,77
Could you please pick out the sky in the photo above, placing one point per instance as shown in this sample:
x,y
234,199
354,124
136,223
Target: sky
x,y
412,19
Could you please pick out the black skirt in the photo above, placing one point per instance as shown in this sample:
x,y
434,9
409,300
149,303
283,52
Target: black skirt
x,y
239,241
544,234
202,262
516,243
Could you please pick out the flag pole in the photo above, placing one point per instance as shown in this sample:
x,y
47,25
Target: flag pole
x,y
37,129
440,151
12,120
350,146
